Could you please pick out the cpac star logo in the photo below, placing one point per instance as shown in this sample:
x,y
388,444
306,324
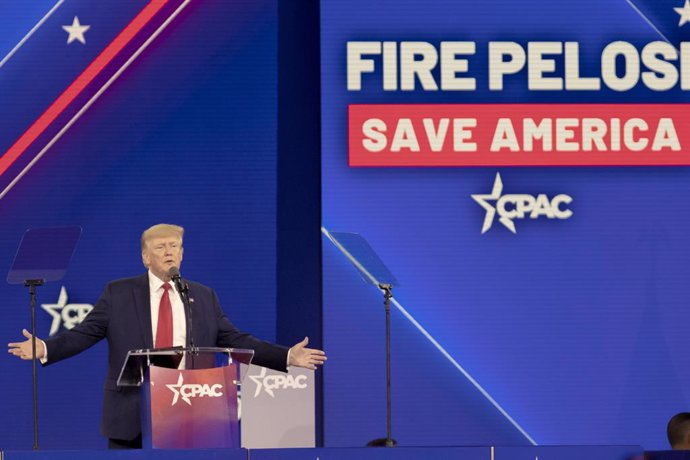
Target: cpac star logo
x,y
519,206
64,314
276,382
186,391
175,388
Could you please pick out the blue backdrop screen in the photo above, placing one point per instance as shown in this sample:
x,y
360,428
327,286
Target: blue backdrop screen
x,y
539,302
171,110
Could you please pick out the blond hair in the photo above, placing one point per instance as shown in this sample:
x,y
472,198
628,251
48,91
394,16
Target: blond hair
x,y
161,231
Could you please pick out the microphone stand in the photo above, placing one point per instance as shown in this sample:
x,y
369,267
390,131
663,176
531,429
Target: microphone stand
x,y
183,289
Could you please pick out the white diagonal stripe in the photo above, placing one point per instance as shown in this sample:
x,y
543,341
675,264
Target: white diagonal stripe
x,y
93,99
634,7
30,33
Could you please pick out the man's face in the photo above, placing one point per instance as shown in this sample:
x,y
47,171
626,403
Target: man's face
x,y
160,254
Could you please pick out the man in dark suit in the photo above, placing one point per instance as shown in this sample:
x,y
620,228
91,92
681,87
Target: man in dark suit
x,y
145,312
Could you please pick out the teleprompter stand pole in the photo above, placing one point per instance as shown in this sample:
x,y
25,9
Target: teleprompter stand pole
x,y
42,256
388,441
32,284
387,294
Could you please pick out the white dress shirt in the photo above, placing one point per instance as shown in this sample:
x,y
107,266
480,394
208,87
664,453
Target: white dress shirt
x,y
178,317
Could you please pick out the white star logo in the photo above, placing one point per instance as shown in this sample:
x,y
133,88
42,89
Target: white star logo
x,y
76,31
175,388
69,315
482,199
684,13
54,309
258,379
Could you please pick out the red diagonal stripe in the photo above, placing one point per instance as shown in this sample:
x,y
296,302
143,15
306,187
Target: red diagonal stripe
x,y
80,83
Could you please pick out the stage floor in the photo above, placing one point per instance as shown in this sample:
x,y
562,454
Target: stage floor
x,y
371,453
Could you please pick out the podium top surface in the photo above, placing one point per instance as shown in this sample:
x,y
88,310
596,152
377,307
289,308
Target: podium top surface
x,y
240,352
138,361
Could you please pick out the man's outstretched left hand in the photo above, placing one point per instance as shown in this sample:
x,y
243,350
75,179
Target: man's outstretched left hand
x,y
300,356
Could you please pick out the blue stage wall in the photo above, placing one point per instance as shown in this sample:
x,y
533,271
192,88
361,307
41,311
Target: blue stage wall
x,y
541,329
568,331
186,135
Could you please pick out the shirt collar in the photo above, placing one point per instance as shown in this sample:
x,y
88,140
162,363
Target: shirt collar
x,y
156,283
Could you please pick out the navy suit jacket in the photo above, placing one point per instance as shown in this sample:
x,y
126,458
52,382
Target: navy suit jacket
x,y
122,315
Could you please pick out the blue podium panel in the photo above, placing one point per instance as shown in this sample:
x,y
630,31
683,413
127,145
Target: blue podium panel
x,y
134,454
568,453
374,453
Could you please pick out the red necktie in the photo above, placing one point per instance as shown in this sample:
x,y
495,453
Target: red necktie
x,y
164,333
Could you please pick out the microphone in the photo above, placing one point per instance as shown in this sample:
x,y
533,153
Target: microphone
x,y
174,274
183,290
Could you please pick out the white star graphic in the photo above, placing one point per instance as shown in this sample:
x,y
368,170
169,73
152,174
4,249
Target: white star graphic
x,y
482,199
54,309
175,388
66,314
684,13
76,31
258,379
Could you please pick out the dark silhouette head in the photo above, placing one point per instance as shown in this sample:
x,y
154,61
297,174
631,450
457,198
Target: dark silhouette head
x,y
678,431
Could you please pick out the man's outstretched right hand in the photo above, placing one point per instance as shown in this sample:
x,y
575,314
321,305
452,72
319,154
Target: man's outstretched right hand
x,y
23,349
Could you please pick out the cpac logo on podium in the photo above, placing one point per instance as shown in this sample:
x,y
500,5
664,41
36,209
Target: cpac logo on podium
x,y
193,390
520,206
65,314
277,382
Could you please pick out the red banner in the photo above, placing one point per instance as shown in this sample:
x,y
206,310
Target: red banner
x,y
383,135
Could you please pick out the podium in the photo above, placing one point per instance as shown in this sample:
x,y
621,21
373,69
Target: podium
x,y
194,407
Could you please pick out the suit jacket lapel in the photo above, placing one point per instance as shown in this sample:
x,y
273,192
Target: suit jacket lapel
x,y
142,303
